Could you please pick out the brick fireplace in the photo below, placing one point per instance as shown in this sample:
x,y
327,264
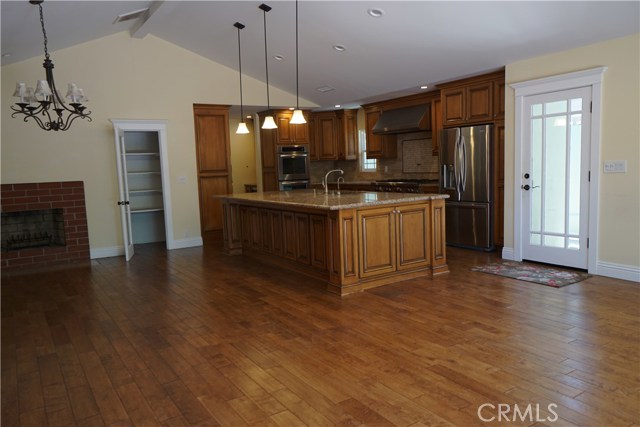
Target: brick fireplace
x,y
43,223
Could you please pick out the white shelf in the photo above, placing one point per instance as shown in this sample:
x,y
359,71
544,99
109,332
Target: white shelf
x,y
144,192
146,210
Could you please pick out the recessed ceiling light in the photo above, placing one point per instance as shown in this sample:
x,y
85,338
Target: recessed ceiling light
x,y
292,108
6,55
249,117
375,12
278,57
338,105
424,87
339,47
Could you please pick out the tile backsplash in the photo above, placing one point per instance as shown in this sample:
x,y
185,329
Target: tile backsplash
x,y
415,161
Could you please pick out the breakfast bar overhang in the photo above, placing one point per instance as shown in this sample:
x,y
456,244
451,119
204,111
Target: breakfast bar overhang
x,y
350,240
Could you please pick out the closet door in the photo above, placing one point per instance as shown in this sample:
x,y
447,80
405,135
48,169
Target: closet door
x,y
123,192
214,166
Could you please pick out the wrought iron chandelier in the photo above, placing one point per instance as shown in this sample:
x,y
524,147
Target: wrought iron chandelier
x,y
45,105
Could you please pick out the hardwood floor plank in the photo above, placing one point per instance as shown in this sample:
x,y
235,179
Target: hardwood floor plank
x,y
191,337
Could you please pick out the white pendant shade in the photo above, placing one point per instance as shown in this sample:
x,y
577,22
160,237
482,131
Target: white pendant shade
x,y
297,118
242,128
269,123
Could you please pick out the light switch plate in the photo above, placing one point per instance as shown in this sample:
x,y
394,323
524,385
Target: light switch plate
x,y
615,166
182,179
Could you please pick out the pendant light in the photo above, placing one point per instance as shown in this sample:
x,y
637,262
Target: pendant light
x,y
242,126
269,123
298,117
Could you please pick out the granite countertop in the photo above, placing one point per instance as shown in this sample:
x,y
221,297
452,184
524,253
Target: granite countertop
x,y
317,199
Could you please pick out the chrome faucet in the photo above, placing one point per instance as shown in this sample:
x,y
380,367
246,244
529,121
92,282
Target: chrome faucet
x,y
325,183
340,179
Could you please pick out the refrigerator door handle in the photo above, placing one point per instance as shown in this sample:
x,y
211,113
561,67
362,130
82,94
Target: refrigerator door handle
x,y
463,170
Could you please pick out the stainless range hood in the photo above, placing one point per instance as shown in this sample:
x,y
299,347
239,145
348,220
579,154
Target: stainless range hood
x,y
402,120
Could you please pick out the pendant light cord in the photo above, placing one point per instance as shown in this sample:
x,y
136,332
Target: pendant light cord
x,y
240,69
297,91
266,61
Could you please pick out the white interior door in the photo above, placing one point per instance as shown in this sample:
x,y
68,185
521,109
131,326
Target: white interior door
x,y
123,202
555,177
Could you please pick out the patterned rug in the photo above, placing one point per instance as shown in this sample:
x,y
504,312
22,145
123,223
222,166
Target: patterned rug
x,y
533,273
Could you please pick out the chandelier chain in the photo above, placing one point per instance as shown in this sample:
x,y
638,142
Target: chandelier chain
x,y
44,33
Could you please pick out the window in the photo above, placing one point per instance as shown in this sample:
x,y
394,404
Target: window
x,y
366,165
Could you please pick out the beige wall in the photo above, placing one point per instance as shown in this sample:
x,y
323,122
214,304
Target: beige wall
x,y
619,199
124,78
243,155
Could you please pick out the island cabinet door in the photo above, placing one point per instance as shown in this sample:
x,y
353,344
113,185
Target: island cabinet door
x,y
289,239
377,242
413,229
276,232
318,230
303,254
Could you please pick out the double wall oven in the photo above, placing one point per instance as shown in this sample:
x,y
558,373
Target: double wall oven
x,y
293,167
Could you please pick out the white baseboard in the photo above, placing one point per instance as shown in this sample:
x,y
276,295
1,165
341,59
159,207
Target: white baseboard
x,y
607,269
119,250
185,243
618,271
106,252
507,253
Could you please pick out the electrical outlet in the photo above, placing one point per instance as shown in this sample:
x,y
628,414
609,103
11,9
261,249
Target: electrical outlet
x,y
182,179
615,166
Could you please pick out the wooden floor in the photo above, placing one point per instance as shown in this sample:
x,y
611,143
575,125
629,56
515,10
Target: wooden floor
x,y
194,338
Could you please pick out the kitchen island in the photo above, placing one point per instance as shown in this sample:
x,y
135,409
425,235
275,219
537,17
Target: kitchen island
x,y
352,240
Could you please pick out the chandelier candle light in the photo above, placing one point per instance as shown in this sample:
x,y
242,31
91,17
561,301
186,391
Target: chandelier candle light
x,y
242,126
297,118
269,123
45,105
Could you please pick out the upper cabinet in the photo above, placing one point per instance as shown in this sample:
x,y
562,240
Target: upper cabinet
x,y
334,135
436,125
474,100
289,134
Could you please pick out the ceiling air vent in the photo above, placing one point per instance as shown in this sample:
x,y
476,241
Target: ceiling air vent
x,y
131,15
325,89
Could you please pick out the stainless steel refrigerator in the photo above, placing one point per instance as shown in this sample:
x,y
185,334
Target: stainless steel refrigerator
x,y
466,165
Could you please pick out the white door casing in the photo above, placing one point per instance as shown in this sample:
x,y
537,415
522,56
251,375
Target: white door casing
x,y
120,127
592,79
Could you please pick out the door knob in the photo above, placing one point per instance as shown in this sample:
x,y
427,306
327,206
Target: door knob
x,y
526,176
525,187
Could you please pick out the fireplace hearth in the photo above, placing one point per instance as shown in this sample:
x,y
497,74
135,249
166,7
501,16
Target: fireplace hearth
x,y
43,223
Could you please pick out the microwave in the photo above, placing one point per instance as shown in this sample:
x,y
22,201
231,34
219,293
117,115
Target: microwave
x,y
293,162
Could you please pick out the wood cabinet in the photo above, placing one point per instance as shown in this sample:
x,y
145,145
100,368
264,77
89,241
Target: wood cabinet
x,y
347,135
213,154
378,146
498,184
333,135
350,248
289,134
436,125
498,98
393,239
473,100
285,134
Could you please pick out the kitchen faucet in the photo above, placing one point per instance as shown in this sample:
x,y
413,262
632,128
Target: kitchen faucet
x,y
325,183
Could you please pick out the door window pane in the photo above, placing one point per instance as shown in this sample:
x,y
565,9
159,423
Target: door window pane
x,y
573,243
535,239
554,241
576,104
536,110
554,176
536,174
575,172
555,107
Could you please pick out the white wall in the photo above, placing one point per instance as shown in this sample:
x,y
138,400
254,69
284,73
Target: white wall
x,y
619,200
124,78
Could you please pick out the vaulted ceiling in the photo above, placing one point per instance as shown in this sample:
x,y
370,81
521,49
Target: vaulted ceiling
x,y
411,43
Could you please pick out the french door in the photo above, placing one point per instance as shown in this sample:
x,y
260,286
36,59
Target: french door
x,y
555,177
